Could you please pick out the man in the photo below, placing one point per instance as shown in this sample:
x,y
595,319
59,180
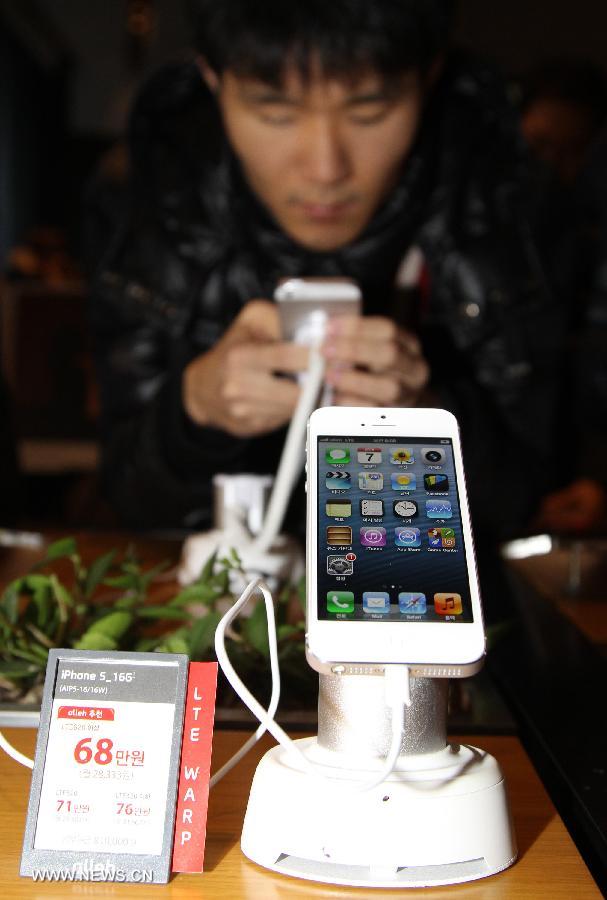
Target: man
x,y
313,139
563,118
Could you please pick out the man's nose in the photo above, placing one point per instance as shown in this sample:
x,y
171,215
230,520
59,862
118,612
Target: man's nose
x,y
324,155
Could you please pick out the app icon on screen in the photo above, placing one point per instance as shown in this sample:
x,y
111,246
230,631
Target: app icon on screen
x,y
376,602
406,536
338,508
405,508
338,480
438,509
448,604
402,456
370,481
441,537
339,534
412,603
371,507
436,482
339,565
340,601
403,481
369,455
433,456
373,536
337,455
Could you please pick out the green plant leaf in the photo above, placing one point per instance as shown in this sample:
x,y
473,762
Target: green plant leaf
x,y
39,636
95,640
35,582
175,644
208,568
113,625
145,645
127,601
17,668
41,592
150,575
197,593
62,596
222,580
255,629
284,632
59,550
97,572
122,582
10,600
235,558
33,653
201,635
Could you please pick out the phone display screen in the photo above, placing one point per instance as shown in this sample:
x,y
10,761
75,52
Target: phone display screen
x,y
390,537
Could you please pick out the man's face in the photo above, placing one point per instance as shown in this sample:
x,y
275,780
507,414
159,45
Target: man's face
x,y
559,133
321,155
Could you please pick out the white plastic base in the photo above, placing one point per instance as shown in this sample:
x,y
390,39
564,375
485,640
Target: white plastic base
x,y
440,818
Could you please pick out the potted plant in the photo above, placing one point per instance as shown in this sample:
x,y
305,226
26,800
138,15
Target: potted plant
x,y
107,605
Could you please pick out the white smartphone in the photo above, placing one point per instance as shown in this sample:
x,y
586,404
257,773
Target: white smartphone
x,y
305,304
391,572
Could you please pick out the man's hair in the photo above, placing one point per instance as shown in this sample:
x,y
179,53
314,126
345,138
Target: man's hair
x,y
347,38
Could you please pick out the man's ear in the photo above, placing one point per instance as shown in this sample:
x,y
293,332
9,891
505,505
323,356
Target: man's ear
x,y
209,75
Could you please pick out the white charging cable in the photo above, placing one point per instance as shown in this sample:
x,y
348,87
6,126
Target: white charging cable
x,y
15,754
291,461
397,695
253,587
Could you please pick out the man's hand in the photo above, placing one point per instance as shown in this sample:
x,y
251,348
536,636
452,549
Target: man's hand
x,y
235,386
372,362
578,507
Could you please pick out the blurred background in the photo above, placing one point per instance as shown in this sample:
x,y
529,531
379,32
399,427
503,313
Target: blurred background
x,y
68,72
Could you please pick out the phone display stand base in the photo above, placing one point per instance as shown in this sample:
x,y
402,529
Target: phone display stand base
x,y
441,817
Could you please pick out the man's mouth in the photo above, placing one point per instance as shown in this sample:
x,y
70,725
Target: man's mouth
x,y
326,212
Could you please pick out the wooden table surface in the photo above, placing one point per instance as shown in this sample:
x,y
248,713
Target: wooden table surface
x,y
549,864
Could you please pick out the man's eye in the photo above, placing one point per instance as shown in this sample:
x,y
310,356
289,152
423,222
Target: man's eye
x,y
276,114
369,115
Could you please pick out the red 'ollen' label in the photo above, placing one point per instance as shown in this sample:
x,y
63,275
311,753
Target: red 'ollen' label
x,y
86,712
195,769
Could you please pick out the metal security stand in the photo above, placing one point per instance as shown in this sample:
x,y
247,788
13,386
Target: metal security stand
x,y
441,817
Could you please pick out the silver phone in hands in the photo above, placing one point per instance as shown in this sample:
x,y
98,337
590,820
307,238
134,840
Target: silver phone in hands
x,y
305,304
391,571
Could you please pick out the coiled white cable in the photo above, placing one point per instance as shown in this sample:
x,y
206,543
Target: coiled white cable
x,y
397,698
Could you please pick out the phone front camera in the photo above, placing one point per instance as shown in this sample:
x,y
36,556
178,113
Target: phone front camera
x,y
382,417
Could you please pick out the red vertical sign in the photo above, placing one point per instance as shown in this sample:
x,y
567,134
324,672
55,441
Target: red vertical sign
x,y
195,769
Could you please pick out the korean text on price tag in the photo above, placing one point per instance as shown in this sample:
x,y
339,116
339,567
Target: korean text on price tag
x,y
110,766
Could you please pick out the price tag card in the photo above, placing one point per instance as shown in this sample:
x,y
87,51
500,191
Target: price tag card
x,y
103,794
